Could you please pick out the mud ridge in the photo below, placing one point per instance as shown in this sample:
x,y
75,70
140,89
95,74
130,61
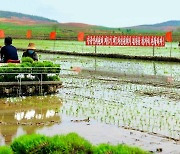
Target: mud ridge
x,y
120,56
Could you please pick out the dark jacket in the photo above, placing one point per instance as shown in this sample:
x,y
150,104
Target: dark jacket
x,y
30,53
8,52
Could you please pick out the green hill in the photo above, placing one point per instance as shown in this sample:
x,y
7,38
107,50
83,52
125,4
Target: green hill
x,y
7,14
167,23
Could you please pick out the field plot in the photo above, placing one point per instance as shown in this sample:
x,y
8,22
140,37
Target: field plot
x,y
108,100
125,94
135,95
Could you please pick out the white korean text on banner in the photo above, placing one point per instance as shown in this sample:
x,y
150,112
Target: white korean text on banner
x,y
125,40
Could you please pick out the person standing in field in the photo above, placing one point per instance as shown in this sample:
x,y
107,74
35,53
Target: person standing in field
x,y
8,52
179,45
30,52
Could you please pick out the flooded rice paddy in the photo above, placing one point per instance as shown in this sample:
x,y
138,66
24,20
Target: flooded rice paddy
x,y
23,115
104,100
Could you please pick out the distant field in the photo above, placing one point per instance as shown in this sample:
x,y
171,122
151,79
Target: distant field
x,y
42,31
68,31
17,31
75,46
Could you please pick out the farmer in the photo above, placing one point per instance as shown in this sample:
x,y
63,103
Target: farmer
x,y
8,52
30,52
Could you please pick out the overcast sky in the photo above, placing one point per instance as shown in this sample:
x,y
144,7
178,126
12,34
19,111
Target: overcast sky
x,y
111,13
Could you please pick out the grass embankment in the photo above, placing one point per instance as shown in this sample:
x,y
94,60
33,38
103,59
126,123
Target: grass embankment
x,y
71,143
80,47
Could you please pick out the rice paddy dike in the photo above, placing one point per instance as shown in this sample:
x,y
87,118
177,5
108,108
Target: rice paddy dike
x,y
105,101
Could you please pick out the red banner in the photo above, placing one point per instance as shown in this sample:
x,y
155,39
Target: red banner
x,y
52,35
81,36
125,40
169,36
2,35
29,34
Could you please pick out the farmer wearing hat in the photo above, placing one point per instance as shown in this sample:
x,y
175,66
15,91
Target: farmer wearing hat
x,y
30,52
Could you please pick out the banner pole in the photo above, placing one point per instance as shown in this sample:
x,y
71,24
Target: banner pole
x,y
54,44
153,50
55,38
95,63
95,48
82,47
154,66
170,49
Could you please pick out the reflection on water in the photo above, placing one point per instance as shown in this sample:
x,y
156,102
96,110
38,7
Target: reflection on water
x,y
31,114
24,115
